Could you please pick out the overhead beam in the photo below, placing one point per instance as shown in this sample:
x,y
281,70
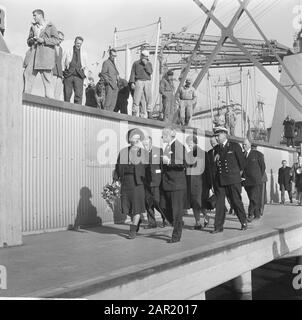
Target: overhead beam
x,y
225,32
228,33
274,52
193,55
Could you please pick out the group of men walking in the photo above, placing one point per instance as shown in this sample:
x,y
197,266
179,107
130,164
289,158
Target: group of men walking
x,y
181,176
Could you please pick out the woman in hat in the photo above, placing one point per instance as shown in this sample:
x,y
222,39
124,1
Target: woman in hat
x,y
131,171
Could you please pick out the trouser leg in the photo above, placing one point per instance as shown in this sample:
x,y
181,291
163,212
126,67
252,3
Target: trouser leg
x,y
29,74
234,192
253,193
220,206
150,207
124,107
138,93
167,205
148,95
196,213
143,107
182,111
47,79
78,90
111,98
189,112
58,88
165,108
178,201
68,88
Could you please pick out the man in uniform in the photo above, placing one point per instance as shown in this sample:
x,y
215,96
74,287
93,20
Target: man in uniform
x,y
187,99
230,164
253,176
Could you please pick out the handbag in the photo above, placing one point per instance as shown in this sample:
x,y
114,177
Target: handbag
x,y
211,202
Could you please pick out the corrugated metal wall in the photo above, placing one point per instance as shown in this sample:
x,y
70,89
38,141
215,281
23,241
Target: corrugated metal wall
x,y
61,156
58,150
62,174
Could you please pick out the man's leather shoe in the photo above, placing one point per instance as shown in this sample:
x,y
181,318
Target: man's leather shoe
x,y
198,227
250,219
150,226
244,227
217,231
174,240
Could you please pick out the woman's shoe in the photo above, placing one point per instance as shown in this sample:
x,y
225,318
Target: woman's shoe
x,y
132,232
206,221
138,225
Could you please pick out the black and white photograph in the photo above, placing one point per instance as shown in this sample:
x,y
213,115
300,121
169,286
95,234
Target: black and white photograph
x,y
151,153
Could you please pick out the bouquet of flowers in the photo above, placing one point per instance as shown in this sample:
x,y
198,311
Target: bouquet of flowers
x,y
111,192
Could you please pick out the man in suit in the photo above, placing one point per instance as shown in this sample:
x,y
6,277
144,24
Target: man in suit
x,y
253,176
153,183
75,69
230,164
284,180
198,180
111,76
174,182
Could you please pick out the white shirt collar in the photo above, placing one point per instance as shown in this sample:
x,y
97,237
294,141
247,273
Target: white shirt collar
x,y
225,142
172,141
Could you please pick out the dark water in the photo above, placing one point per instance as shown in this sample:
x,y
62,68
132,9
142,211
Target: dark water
x,y
273,281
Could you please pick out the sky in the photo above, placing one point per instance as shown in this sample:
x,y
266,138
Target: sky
x,y
95,21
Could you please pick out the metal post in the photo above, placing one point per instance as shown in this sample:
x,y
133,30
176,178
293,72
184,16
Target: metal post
x,y
115,38
154,76
211,99
241,93
247,104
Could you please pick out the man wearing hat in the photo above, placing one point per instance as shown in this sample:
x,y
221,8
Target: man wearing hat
x,y
166,89
140,81
230,163
187,99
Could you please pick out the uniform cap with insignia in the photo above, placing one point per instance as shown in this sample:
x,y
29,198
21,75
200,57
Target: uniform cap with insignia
x,y
218,130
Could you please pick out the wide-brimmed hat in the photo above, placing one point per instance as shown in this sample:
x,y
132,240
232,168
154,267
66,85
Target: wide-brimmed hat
x,y
134,132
